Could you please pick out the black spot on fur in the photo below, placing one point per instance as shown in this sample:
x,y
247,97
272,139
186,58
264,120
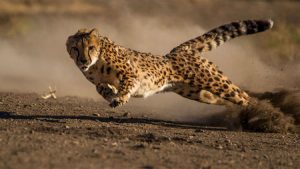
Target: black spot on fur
x,y
108,69
217,78
209,46
200,49
207,87
232,94
216,84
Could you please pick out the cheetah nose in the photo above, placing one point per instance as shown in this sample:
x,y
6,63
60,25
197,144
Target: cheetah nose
x,y
83,61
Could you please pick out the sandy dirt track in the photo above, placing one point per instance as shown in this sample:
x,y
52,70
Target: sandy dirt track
x,y
73,132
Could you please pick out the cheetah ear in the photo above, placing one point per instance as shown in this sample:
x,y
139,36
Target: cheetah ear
x,y
94,32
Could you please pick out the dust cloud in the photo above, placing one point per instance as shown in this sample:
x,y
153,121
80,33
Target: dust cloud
x,y
39,59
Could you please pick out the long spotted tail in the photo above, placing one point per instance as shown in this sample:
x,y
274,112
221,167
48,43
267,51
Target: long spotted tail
x,y
220,35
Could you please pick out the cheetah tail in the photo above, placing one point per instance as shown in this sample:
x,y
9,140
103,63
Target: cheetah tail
x,y
220,35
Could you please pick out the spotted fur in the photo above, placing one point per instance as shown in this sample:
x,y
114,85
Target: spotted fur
x,y
120,73
220,35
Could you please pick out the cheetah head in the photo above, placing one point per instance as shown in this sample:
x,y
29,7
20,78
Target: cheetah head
x,y
84,48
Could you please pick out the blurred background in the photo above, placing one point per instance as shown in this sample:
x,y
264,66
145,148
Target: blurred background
x,y
33,35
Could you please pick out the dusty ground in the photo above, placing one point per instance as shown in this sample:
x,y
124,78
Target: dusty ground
x,y
72,132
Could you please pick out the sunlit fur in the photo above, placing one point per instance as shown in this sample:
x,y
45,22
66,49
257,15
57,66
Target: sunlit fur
x,y
120,73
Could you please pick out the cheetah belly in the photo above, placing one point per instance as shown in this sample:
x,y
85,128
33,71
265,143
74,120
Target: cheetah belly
x,y
145,91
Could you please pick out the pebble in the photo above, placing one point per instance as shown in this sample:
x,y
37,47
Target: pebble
x,y
126,114
96,114
95,151
114,144
172,143
219,147
227,141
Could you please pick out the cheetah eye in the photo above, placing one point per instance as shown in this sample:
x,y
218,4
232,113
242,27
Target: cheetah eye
x,y
91,47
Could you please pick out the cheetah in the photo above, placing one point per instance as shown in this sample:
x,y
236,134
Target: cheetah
x,y
120,73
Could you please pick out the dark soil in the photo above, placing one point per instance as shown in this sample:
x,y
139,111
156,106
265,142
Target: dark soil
x,y
72,132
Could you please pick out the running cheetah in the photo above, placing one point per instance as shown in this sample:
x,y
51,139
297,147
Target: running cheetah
x,y
120,73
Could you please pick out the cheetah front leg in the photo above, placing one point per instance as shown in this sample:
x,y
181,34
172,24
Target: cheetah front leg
x,y
107,91
128,86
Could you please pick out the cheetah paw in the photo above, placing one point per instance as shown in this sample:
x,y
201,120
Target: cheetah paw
x,y
115,103
119,101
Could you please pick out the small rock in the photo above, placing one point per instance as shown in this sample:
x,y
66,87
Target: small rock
x,y
227,141
96,114
126,114
172,143
220,147
95,151
114,144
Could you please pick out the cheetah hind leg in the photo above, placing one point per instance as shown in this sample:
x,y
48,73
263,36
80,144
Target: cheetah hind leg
x,y
210,98
203,96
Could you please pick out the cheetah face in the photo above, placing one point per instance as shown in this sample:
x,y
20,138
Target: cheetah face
x,y
84,48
